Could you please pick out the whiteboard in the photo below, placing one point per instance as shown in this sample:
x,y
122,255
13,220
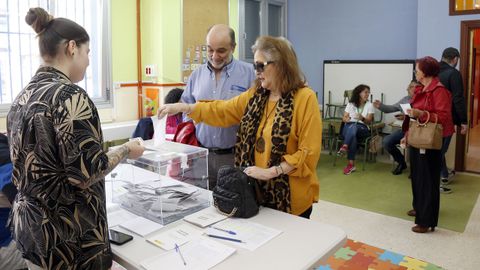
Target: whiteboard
x,y
390,77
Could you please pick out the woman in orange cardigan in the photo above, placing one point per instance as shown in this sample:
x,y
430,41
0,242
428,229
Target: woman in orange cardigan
x,y
280,131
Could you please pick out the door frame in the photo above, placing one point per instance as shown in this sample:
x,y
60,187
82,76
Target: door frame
x,y
465,28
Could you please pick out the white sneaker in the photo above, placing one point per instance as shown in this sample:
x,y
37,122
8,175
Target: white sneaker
x,y
445,190
449,179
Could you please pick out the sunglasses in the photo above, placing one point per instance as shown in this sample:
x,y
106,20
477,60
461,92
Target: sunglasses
x,y
260,66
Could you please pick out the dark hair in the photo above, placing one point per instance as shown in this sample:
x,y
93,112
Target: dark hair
x,y
355,99
231,33
280,51
52,32
429,66
450,53
173,96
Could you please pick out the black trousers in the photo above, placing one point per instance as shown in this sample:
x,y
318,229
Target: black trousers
x,y
425,185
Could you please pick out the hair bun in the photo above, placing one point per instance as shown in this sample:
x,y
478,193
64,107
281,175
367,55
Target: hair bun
x,y
38,18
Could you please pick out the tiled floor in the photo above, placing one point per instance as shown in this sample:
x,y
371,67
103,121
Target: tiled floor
x,y
448,249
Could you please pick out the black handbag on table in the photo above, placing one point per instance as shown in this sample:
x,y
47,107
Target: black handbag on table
x,y
235,194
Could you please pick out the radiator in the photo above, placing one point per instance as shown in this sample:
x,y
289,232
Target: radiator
x,y
118,131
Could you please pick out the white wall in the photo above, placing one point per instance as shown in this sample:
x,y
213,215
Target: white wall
x,y
350,30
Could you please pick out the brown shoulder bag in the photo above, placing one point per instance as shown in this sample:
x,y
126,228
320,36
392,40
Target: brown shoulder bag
x,y
427,135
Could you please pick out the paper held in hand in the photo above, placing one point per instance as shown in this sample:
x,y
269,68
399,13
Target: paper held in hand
x,y
159,126
405,107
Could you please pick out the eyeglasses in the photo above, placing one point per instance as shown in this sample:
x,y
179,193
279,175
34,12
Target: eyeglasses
x,y
260,66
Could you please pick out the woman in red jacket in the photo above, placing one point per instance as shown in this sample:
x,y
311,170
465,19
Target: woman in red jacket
x,y
434,98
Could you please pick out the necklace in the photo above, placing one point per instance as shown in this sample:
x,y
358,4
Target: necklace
x,y
260,143
360,109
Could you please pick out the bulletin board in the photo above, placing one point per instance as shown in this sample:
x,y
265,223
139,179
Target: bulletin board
x,y
198,16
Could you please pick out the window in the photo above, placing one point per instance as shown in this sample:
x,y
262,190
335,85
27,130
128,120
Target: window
x,y
462,7
19,55
257,18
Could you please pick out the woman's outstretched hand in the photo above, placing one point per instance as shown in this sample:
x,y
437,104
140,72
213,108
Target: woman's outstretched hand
x,y
172,109
135,149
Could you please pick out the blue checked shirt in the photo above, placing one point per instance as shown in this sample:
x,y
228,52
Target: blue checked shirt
x,y
236,78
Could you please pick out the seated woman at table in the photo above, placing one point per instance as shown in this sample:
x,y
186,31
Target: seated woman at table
x,y
358,114
279,137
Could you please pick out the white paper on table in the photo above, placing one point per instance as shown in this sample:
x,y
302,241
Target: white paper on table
x,y
253,235
141,226
177,235
199,254
117,216
159,129
205,217
405,107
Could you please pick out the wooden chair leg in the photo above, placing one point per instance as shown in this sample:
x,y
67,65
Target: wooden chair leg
x,y
334,146
366,153
331,139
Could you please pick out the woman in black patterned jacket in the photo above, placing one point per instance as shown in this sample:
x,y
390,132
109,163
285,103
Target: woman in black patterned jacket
x,y
59,214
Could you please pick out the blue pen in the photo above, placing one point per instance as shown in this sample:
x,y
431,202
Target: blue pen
x,y
223,230
177,249
226,238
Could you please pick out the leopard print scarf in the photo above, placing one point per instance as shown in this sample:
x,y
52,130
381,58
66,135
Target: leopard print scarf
x,y
276,191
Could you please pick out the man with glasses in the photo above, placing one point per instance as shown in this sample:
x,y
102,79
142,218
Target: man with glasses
x,y
221,78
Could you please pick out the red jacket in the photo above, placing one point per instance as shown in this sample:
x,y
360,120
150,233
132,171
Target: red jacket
x,y
185,134
437,100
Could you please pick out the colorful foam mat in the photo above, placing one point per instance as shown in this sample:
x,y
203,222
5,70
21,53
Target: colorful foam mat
x,y
359,256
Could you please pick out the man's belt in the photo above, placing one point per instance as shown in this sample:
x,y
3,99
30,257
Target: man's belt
x,y
220,151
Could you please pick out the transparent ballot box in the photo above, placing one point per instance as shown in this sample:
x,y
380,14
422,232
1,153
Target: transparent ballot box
x,y
165,184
